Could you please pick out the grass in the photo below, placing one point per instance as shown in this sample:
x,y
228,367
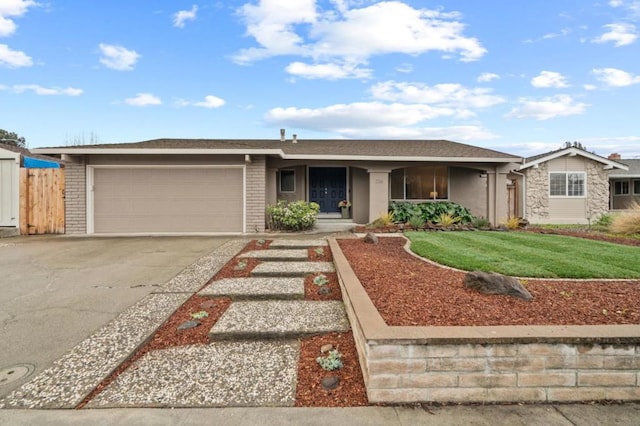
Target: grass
x,y
527,254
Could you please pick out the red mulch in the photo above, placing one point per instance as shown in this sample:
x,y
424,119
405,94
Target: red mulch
x,y
408,291
311,289
350,391
320,254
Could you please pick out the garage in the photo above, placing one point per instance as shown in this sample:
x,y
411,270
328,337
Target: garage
x,y
166,199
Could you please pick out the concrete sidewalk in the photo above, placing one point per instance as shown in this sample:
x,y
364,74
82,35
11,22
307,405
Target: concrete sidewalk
x,y
512,415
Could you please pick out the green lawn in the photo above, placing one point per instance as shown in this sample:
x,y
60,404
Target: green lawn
x,y
527,254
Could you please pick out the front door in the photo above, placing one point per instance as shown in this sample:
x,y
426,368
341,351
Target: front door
x,y
327,187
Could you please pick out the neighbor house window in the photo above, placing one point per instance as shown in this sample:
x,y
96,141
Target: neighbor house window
x,y
420,183
636,187
287,181
567,184
621,187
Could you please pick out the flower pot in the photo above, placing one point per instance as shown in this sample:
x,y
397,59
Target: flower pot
x,y
345,212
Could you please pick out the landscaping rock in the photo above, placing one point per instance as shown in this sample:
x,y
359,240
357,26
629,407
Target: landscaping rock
x,y
188,324
371,238
492,283
326,348
324,290
330,382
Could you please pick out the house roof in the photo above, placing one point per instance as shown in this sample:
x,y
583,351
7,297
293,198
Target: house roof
x,y
571,151
634,169
24,152
328,149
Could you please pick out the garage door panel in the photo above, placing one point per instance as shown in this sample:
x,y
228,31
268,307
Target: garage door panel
x,y
168,200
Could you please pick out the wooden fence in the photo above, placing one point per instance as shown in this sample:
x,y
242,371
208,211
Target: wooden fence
x,y
41,201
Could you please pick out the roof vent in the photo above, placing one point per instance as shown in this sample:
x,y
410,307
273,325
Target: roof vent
x,y
295,138
281,135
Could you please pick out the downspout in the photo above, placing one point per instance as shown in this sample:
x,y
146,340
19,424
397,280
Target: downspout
x,y
524,191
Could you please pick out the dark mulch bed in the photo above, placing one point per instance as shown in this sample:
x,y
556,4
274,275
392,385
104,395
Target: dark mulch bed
x,y
409,291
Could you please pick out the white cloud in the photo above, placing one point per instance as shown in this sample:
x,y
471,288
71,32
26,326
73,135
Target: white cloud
x,y
546,108
486,77
327,71
548,79
621,34
182,16
615,77
12,9
210,101
456,133
451,95
13,58
47,91
350,34
143,99
118,57
589,87
359,115
405,68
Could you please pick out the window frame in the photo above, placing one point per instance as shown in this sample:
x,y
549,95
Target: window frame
x,y
420,200
567,184
621,184
635,182
293,173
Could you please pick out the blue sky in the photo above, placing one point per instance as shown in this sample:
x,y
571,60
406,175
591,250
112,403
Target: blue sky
x,y
519,77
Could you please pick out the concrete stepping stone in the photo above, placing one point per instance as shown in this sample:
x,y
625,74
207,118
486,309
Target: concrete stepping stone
x,y
278,254
279,319
291,244
256,288
221,374
291,269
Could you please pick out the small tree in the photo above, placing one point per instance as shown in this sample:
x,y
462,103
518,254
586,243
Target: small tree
x,y
575,144
12,138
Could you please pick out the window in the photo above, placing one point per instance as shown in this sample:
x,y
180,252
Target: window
x,y
420,183
287,181
621,187
636,187
567,184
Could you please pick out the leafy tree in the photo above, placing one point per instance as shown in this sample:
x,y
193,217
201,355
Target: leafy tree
x,y
12,138
82,139
575,144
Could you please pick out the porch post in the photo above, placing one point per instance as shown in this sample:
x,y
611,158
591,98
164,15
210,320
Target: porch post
x,y
272,185
378,192
497,195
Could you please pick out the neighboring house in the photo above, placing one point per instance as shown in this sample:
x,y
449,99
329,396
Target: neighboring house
x,y
569,185
624,184
12,158
224,186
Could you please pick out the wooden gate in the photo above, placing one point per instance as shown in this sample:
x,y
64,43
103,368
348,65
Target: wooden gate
x,y
41,201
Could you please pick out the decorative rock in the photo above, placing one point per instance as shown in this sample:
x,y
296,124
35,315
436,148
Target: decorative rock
x,y
208,304
326,348
330,382
492,283
324,290
188,324
371,238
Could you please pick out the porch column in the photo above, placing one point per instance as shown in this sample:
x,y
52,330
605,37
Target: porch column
x,y
272,186
497,195
378,192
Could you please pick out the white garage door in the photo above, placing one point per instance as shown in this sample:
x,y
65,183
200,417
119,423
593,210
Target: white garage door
x,y
149,200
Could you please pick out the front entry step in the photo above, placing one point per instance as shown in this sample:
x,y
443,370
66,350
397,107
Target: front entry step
x,y
291,269
256,288
279,319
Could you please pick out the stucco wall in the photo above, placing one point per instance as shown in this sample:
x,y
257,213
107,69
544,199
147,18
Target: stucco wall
x,y
468,187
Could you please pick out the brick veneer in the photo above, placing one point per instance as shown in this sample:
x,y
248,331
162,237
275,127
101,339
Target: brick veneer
x,y
488,364
256,192
75,195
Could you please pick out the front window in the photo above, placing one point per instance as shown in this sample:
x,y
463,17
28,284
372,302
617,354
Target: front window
x,y
287,181
621,187
636,187
567,184
420,183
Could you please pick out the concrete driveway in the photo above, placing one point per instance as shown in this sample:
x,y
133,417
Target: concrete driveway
x,y
57,291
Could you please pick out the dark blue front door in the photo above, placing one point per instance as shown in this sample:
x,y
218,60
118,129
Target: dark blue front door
x,y
327,187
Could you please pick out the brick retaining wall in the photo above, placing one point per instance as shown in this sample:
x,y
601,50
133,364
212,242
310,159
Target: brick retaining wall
x,y
488,364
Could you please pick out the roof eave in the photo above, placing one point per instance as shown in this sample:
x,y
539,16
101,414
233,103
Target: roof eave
x,y
609,164
353,157
156,151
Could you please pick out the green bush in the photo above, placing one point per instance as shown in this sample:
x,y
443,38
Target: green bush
x,y
604,221
481,223
403,211
292,216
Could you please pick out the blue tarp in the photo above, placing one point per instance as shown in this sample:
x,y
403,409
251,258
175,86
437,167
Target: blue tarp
x,y
35,163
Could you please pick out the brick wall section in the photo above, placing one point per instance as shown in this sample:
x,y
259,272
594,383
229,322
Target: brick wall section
x,y
75,195
540,372
256,193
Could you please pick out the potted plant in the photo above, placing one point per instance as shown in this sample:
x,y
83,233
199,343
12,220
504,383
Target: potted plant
x,y
344,207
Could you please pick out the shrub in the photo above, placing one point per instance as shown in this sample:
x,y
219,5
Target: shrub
x,y
446,220
627,222
332,361
512,222
416,221
604,221
481,223
292,216
403,211
385,219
